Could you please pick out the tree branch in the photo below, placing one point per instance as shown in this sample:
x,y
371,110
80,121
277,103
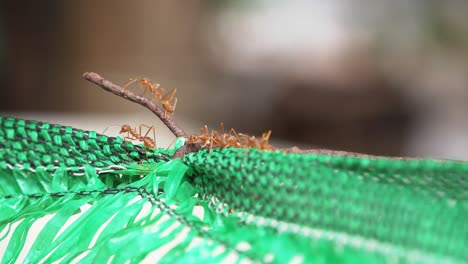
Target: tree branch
x,y
129,95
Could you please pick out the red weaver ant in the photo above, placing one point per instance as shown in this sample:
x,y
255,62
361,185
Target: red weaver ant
x,y
168,100
132,134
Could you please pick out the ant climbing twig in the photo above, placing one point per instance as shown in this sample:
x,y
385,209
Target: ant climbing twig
x,y
155,89
168,100
129,95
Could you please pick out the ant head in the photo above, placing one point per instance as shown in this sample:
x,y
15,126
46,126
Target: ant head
x,y
125,128
192,139
144,81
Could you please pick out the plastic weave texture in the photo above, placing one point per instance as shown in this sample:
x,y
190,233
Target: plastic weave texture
x,y
68,195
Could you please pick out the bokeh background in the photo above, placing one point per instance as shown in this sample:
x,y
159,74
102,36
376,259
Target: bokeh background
x,y
378,77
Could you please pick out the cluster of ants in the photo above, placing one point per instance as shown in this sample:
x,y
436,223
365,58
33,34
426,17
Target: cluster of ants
x,y
205,140
220,139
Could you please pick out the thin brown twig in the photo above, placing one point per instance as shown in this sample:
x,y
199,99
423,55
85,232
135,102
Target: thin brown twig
x,y
129,95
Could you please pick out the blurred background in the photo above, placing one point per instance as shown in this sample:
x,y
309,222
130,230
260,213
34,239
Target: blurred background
x,y
377,77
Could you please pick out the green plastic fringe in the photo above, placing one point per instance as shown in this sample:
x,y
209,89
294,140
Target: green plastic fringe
x,y
68,195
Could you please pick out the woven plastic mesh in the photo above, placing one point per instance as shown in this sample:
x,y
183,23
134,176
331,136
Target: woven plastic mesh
x,y
71,195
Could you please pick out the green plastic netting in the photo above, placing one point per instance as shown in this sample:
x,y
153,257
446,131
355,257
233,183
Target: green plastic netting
x,y
68,195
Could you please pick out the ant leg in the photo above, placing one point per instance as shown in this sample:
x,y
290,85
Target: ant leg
x,y
144,90
167,99
217,140
137,136
204,130
172,110
130,138
175,104
144,83
147,85
107,128
266,135
159,92
148,131
233,133
172,143
155,90
172,92
130,82
146,150
154,136
104,131
211,141
221,128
